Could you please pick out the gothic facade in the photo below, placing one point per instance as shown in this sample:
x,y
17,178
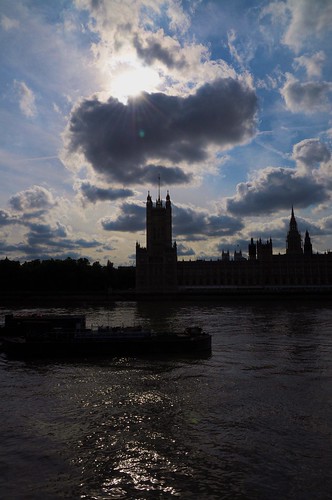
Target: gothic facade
x,y
157,268
156,264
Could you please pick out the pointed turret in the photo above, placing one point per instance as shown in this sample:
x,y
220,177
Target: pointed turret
x,y
292,222
252,250
307,248
294,241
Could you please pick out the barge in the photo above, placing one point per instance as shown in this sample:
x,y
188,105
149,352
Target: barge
x,y
49,336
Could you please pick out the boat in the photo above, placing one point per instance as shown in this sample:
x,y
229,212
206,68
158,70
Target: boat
x,y
49,336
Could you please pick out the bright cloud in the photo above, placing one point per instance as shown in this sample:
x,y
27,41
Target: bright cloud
x,y
308,97
26,99
308,19
313,64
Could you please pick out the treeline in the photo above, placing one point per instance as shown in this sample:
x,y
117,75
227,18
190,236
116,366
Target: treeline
x,y
64,275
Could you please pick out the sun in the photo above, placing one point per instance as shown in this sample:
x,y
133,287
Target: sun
x,y
132,80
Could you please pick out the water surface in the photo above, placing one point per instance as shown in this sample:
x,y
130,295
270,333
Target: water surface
x,y
253,421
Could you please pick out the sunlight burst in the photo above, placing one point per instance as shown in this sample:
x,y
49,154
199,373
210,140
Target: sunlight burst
x,y
132,81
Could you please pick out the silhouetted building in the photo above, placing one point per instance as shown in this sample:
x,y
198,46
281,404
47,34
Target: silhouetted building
x,y
252,251
264,250
307,248
225,256
156,265
157,269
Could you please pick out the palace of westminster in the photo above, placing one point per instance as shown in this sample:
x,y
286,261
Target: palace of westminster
x,y
158,269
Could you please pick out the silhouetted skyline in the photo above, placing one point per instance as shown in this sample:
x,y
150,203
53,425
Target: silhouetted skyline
x,y
229,102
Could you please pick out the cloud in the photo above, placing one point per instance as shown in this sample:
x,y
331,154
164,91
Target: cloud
x,y
308,19
26,99
124,141
184,251
153,33
26,252
312,64
32,199
131,218
84,243
308,97
94,193
310,153
6,218
275,188
326,224
46,234
188,223
158,47
8,23
113,21
42,239
242,50
168,175
193,224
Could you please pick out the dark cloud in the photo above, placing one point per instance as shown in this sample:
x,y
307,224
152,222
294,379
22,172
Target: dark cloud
x,y
188,223
44,243
275,189
94,193
123,141
168,175
152,50
41,234
46,229
131,218
314,228
7,248
83,243
196,224
42,239
223,225
184,251
6,218
231,246
32,199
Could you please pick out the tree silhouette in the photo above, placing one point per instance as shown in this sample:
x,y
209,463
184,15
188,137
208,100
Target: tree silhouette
x,y
68,275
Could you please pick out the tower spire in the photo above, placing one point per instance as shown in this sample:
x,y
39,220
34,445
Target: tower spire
x,y
292,222
293,242
158,187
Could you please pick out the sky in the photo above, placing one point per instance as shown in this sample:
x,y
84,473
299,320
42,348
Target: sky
x,y
228,102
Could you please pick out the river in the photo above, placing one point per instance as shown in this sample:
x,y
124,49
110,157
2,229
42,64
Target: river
x,y
253,421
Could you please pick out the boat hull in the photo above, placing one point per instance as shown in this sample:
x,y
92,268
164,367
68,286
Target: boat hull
x,y
19,347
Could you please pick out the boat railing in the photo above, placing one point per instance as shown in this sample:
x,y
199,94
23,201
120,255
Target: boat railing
x,y
112,334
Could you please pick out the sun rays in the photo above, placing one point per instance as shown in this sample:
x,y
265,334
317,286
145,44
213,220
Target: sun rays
x,y
132,80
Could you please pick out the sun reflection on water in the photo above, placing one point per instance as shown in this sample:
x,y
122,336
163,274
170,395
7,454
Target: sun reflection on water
x,y
132,441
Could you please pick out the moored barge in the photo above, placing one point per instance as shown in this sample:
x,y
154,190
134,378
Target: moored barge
x,y
49,336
